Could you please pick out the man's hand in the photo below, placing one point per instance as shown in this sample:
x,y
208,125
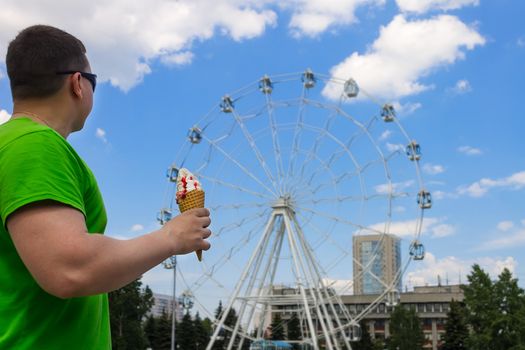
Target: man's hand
x,y
189,231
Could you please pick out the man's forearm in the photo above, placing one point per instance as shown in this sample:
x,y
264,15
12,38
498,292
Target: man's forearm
x,y
104,264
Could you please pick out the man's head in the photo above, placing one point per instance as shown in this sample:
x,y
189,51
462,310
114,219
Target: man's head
x,y
35,57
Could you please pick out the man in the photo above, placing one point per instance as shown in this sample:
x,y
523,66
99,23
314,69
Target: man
x,y
56,266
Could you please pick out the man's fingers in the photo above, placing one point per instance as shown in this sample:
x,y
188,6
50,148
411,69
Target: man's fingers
x,y
205,246
206,221
201,212
207,233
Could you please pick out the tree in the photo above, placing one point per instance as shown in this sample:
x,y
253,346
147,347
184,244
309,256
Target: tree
x,y
224,336
495,311
219,342
481,308
405,330
185,333
294,330
127,307
508,329
161,336
277,327
456,329
202,332
150,330
365,343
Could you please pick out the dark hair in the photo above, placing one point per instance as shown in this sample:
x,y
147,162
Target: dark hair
x,y
36,55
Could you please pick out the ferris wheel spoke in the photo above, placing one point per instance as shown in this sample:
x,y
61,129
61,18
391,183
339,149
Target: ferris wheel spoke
x,y
238,224
296,134
234,186
239,165
340,220
312,153
255,149
238,206
326,237
275,142
361,198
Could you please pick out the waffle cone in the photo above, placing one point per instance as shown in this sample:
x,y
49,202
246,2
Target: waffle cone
x,y
194,199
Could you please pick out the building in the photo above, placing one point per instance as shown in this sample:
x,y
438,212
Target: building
x,y
377,258
431,304
163,303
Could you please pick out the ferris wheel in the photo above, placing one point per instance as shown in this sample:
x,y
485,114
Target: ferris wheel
x,y
292,179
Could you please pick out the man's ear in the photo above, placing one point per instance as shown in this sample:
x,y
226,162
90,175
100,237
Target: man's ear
x,y
75,85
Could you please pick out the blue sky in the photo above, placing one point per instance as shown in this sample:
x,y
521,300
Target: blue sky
x,y
453,69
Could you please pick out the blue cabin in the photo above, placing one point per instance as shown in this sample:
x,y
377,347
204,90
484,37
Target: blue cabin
x,y
270,345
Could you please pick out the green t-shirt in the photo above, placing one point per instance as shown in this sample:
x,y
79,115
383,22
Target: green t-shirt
x,y
37,163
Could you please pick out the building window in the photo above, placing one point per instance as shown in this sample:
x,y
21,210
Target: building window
x,y
437,307
420,307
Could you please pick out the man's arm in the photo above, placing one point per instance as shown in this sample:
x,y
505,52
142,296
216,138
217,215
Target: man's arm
x,y
66,261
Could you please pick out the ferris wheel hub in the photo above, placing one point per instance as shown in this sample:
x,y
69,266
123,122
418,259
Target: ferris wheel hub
x,y
284,202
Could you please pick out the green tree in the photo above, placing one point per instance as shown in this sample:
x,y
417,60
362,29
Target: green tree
x,y
294,330
185,333
508,329
365,343
162,332
456,329
224,337
150,330
202,332
218,344
128,306
405,330
481,308
277,327
378,344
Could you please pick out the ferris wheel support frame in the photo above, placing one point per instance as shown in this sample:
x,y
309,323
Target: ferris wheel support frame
x,y
315,297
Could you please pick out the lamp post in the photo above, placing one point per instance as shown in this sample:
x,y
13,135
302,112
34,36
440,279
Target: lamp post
x,y
172,264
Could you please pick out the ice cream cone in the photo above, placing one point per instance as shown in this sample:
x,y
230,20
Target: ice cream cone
x,y
192,199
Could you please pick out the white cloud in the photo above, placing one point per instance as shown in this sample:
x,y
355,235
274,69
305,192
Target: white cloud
x,y
340,286
178,59
407,108
101,134
137,227
461,87
442,230
433,169
480,188
313,17
454,269
396,187
512,240
4,116
431,226
520,42
123,37
422,6
385,135
469,151
391,147
505,225
397,61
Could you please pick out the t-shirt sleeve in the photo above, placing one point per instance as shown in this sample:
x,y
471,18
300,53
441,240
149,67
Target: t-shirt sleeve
x,y
39,166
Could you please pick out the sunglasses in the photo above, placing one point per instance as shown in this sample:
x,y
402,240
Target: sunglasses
x,y
89,76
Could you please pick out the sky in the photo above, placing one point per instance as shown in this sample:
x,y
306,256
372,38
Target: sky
x,y
452,68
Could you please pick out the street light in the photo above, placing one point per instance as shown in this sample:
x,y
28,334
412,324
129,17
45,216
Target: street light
x,y
171,264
